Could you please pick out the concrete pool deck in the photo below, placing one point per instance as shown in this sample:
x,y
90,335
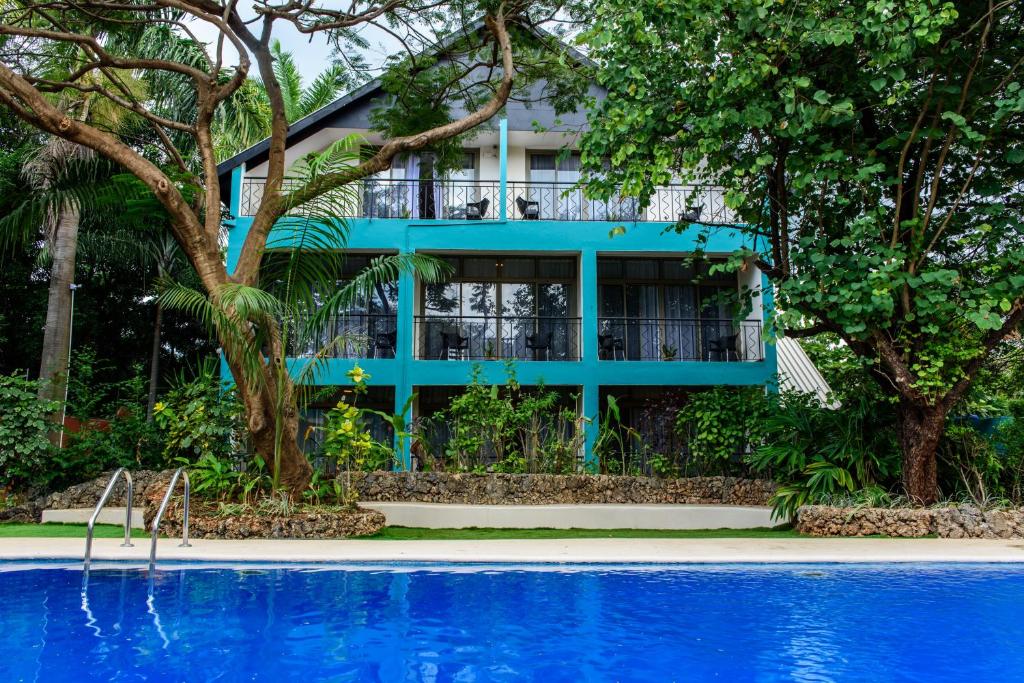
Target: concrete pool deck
x,y
590,550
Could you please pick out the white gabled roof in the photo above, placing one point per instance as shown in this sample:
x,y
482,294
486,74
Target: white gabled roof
x,y
797,372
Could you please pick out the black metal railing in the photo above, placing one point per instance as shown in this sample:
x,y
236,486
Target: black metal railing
x,y
353,335
669,339
408,199
497,338
479,200
566,202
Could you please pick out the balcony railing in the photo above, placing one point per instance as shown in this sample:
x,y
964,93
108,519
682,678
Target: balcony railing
x,y
671,339
493,338
479,200
566,202
407,199
354,335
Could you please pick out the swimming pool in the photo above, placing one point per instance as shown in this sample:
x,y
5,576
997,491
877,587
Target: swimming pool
x,y
513,623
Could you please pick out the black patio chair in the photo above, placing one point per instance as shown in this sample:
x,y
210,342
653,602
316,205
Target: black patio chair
x,y
540,342
724,347
453,342
692,215
529,210
476,211
384,342
608,345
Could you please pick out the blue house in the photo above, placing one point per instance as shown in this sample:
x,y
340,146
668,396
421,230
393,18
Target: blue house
x,y
539,275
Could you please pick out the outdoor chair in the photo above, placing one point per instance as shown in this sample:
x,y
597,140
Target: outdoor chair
x,y
476,211
384,342
692,215
724,347
529,210
609,345
453,346
538,343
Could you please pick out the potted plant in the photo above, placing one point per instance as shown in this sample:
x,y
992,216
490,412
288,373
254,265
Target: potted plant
x,y
669,352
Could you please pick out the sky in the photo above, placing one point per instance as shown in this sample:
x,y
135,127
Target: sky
x,y
311,53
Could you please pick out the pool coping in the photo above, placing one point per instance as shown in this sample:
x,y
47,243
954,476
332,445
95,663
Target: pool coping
x,y
617,551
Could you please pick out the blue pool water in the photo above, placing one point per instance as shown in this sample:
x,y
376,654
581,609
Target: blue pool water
x,y
542,623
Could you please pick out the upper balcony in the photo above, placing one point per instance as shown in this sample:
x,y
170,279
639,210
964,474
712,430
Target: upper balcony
x,y
458,200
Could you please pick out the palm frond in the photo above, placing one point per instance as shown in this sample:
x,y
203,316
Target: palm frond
x,y
289,78
324,89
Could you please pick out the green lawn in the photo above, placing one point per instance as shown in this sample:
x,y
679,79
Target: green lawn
x,y
64,531
398,533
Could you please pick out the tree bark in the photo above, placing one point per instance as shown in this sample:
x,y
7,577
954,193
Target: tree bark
x,y
56,335
154,361
920,430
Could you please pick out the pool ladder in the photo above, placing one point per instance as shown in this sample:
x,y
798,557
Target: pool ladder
x,y
99,506
179,473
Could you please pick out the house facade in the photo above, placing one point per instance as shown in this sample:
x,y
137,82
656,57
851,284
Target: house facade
x,y
594,298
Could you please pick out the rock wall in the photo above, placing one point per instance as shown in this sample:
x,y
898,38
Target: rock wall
x,y
951,522
205,523
542,489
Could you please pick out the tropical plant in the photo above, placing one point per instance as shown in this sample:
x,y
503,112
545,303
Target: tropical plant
x,y
721,424
201,418
25,450
261,327
871,152
815,452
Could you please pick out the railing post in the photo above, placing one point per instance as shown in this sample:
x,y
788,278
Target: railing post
x,y
503,166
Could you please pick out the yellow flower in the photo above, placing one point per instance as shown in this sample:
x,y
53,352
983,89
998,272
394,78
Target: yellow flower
x,y
159,406
351,412
347,425
357,375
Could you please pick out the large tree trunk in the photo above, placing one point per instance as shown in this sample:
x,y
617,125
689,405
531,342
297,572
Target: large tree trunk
x,y
154,361
56,334
920,429
260,400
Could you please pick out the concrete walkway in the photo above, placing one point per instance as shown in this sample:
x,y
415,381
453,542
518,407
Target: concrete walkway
x,y
610,550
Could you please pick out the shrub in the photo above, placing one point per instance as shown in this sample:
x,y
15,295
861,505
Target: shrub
x,y
817,453
720,425
200,418
25,450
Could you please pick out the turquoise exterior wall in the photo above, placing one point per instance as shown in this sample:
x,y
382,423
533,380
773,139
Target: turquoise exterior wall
x,y
584,239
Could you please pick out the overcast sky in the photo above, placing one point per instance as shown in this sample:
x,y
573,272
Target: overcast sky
x,y
311,53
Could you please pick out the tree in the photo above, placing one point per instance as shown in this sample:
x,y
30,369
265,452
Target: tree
x,y
246,118
873,154
191,195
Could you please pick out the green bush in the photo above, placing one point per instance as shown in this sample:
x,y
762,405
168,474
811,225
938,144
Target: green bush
x,y
25,449
199,418
720,425
816,453
506,428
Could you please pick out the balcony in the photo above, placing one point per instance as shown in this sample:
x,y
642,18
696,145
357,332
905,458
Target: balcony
x,y
354,335
493,338
668,339
480,200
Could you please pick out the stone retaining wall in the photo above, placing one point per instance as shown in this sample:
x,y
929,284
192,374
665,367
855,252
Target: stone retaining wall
x,y
952,522
545,489
205,523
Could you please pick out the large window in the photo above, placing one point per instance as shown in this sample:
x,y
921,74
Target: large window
x,y
651,309
503,306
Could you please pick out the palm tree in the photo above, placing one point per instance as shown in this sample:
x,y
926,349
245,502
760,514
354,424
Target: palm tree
x,y
298,299
245,120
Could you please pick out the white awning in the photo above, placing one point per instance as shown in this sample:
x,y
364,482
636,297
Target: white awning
x,y
797,372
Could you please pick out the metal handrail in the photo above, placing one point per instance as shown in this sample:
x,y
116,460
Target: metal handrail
x,y
99,506
160,514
